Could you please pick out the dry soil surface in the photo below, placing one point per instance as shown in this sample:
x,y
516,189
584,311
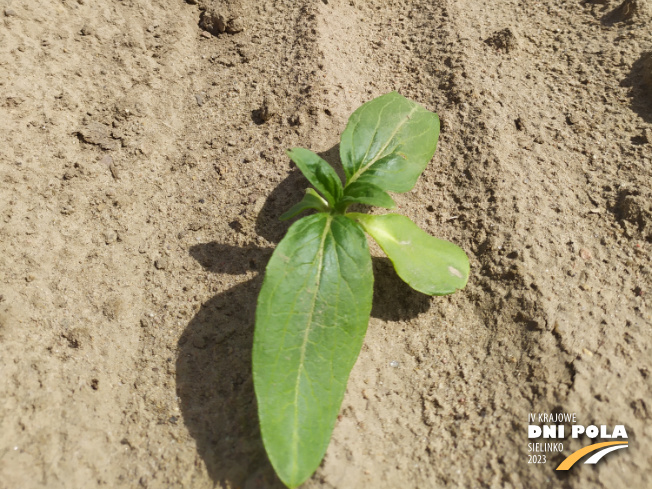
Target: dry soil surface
x,y
142,173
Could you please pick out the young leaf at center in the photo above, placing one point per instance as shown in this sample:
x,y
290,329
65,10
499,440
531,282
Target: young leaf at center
x,y
318,172
311,200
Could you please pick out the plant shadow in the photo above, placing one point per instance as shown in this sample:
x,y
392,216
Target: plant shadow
x,y
215,388
625,12
639,80
214,377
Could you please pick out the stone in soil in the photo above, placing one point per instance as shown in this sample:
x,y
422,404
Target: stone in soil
x,y
220,22
98,134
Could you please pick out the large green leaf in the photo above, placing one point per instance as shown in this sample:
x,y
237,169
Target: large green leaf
x,y
311,319
318,172
388,142
430,265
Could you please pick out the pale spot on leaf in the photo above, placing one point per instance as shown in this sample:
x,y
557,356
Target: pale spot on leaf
x,y
455,271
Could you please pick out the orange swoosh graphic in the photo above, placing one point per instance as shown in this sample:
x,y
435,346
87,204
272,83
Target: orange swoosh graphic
x,y
575,456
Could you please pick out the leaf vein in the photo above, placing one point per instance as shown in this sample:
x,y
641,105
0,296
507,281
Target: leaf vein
x,y
360,171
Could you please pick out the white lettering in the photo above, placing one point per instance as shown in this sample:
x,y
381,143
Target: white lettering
x,y
556,418
592,431
545,447
550,431
603,432
577,430
533,431
619,431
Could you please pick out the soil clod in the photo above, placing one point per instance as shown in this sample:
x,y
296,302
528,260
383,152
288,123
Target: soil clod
x,y
503,40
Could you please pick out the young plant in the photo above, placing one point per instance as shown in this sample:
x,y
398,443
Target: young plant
x,y
314,305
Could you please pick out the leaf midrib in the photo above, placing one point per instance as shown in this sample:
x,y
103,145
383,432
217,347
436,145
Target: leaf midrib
x,y
306,335
381,152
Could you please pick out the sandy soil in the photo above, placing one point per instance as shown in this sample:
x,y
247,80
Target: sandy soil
x,y
142,172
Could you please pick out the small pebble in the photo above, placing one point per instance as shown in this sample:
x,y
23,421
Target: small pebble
x,y
393,364
114,171
199,97
199,342
268,109
235,25
213,22
297,120
197,225
110,236
113,308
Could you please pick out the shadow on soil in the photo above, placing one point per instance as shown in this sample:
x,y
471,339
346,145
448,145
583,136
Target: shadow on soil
x,y
639,81
214,378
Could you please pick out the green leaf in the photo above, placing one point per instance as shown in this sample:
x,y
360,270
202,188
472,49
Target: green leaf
x,y
367,193
430,265
388,142
311,319
318,172
312,200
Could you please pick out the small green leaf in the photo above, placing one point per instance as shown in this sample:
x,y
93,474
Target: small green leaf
x,y
312,200
388,142
318,172
430,265
311,319
367,193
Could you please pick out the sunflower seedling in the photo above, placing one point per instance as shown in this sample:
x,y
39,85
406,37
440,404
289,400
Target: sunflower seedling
x,y
315,301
